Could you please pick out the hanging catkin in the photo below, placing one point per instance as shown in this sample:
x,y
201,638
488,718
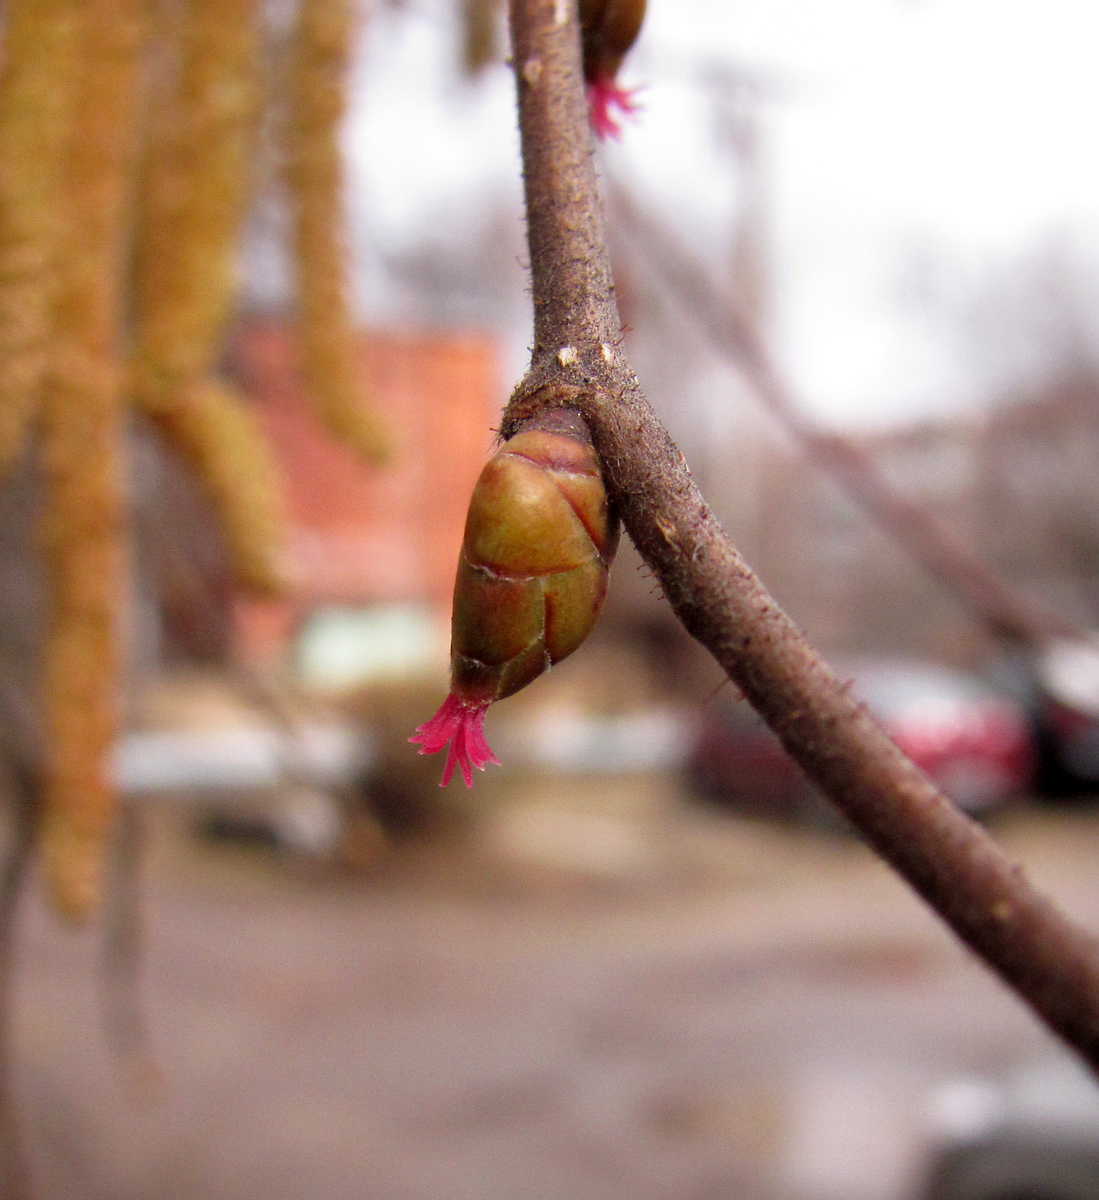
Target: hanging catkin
x,y
213,429
195,188
331,367
480,20
36,93
83,517
196,176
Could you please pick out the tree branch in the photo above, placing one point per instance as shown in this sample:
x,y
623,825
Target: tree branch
x,y
1007,614
21,788
949,860
570,269
122,957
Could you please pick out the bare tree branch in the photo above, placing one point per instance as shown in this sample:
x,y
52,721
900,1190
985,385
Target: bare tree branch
x,y
122,956
21,788
949,860
1006,613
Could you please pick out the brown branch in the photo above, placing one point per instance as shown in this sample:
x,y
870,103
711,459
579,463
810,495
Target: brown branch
x,y
122,957
1006,613
949,860
571,283
21,790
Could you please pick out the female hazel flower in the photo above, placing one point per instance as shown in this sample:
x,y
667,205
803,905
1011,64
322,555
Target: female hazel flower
x,y
608,28
539,539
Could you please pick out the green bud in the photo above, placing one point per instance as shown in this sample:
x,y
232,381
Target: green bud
x,y
539,539
532,575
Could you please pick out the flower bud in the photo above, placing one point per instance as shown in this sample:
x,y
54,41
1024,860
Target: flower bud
x,y
539,539
608,28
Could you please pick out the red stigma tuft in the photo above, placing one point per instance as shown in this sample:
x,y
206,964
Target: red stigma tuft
x,y
462,725
604,96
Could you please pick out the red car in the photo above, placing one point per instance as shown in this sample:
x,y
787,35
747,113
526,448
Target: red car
x,y
972,741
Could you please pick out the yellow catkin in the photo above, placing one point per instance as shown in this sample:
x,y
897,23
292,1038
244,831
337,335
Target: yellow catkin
x,y
37,81
479,25
331,365
211,427
83,512
195,184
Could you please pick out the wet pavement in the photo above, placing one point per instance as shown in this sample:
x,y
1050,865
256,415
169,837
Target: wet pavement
x,y
690,1008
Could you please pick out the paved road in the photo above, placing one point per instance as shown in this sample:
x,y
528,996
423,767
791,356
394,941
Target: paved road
x,y
723,1011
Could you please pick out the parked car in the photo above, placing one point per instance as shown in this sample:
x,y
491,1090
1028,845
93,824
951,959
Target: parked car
x,y
1032,1136
1067,715
972,741
278,770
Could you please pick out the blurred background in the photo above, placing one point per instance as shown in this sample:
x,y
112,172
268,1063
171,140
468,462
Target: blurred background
x,y
643,958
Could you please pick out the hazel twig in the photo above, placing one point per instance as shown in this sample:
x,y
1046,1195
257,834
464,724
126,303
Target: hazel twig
x,y
1052,962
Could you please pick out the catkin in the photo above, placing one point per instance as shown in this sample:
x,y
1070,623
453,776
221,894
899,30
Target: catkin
x,y
195,188
331,365
37,81
479,22
211,427
83,514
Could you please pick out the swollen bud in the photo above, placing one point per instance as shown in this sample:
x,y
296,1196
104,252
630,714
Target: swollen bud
x,y
532,575
608,28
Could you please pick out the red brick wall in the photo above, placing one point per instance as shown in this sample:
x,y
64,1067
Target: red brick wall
x,y
357,533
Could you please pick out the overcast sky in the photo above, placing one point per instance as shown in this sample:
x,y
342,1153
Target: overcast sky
x,y
896,130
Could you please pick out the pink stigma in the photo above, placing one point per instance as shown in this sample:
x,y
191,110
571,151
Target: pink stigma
x,y
462,725
604,96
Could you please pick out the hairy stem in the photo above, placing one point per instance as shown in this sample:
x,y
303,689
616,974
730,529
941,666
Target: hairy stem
x,y
570,269
949,860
